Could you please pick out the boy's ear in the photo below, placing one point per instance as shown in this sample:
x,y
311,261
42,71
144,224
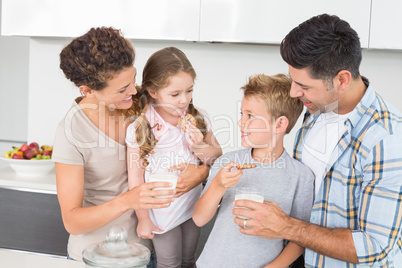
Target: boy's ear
x,y
281,124
87,91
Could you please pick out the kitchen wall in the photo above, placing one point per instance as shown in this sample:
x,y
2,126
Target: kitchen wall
x,y
221,68
14,52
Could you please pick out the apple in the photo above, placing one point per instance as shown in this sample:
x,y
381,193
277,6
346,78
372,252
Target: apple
x,y
30,153
24,147
35,151
17,156
46,152
34,145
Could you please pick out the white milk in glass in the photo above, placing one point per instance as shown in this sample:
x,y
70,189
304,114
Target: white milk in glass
x,y
249,194
164,176
252,197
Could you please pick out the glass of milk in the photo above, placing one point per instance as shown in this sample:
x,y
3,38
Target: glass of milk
x,y
164,176
249,193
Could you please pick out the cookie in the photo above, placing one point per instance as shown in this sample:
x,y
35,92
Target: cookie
x,y
186,120
246,166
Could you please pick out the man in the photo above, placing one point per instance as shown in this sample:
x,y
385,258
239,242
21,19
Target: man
x,y
352,140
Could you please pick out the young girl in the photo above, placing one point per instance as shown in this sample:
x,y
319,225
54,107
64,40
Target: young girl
x,y
156,143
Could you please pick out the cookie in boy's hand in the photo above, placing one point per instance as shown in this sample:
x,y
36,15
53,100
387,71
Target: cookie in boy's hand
x,y
246,166
186,120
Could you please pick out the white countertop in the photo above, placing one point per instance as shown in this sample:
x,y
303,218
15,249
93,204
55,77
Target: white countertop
x,y
45,183
23,259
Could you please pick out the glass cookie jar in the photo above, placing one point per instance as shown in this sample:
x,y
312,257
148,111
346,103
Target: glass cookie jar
x,y
116,252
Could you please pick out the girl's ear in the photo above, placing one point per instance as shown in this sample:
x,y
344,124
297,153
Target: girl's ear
x,y
87,91
281,124
152,93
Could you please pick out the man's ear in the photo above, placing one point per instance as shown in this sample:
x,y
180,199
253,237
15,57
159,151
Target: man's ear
x,y
87,91
281,124
343,79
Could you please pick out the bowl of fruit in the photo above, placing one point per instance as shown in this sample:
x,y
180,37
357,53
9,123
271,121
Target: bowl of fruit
x,y
30,160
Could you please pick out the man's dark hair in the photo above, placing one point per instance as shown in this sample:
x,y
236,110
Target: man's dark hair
x,y
325,45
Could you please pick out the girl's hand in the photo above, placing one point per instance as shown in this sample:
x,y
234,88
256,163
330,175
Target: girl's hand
x,y
194,136
190,177
143,197
145,229
226,178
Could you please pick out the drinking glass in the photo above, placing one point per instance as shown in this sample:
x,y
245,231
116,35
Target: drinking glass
x,y
249,193
164,176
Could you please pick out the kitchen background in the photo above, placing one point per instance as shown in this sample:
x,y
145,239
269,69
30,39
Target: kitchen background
x,y
226,41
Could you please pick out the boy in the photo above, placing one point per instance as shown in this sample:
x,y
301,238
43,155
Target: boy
x,y
267,114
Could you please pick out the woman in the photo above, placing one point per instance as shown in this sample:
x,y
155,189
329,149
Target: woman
x,y
89,148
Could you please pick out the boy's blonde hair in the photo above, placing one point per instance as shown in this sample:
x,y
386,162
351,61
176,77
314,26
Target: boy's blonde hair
x,y
275,92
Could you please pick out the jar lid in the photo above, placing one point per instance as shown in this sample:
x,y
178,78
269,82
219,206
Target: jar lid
x,y
115,251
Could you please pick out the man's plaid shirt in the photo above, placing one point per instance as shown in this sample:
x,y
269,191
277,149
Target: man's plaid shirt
x,y
362,189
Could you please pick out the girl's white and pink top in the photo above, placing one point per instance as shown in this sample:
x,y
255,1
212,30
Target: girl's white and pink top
x,y
171,149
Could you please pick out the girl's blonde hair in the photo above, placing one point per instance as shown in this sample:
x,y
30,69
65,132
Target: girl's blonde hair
x,y
158,70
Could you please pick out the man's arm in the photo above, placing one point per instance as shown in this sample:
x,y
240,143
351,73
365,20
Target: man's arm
x,y
269,221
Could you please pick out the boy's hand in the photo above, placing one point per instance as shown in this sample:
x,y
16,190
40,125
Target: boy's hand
x,y
226,178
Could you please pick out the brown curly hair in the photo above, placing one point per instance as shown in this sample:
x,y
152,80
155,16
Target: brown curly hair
x,y
96,57
158,70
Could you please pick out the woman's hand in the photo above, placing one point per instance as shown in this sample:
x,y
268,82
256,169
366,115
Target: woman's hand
x,y
143,197
191,176
145,229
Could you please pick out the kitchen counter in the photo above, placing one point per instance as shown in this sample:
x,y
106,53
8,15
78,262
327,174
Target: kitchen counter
x,y
20,259
44,184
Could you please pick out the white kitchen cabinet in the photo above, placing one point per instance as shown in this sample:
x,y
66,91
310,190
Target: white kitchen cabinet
x,y
31,221
30,214
268,21
386,24
138,19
